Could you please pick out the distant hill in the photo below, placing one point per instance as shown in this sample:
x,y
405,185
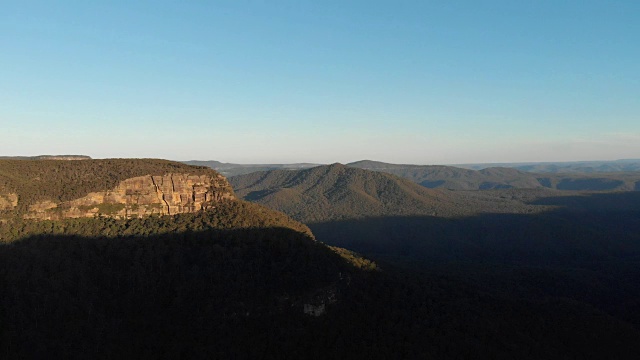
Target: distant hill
x,y
455,178
626,165
620,175
333,192
229,169
449,177
47,157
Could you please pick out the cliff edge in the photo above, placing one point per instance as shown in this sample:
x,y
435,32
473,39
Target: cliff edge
x,y
118,188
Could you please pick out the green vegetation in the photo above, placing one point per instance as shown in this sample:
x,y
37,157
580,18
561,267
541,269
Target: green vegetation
x,y
338,192
110,208
104,208
226,215
355,259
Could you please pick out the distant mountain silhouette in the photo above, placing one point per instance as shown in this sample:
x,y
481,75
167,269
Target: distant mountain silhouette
x,y
620,175
625,165
230,169
449,177
47,157
457,178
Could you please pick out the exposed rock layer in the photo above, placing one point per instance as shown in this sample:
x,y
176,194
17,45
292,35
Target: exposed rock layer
x,y
140,196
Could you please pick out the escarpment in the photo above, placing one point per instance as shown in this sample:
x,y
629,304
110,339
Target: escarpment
x,y
116,188
168,194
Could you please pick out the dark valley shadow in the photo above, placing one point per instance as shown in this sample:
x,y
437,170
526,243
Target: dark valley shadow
x,y
204,294
595,184
580,252
598,202
239,294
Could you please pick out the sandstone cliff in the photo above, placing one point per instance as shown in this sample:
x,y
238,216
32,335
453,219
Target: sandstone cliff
x,y
139,196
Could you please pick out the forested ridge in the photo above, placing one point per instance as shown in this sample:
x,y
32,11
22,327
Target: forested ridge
x,y
615,176
338,192
58,180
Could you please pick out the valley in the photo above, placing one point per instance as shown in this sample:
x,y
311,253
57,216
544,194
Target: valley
x,y
168,258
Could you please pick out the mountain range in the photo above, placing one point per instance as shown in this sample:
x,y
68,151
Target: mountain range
x,y
230,169
335,192
486,178
505,178
151,258
624,165
529,243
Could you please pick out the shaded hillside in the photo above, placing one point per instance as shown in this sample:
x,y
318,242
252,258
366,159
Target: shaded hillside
x,y
586,251
591,182
159,286
230,169
336,191
456,178
236,281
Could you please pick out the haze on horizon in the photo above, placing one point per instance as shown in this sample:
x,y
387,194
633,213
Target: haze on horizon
x,y
423,82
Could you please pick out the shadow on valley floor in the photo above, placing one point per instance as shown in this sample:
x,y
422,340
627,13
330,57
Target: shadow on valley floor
x,y
596,184
191,294
239,294
586,252
600,202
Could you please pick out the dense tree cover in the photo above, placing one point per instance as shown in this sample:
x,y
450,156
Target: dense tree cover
x,y
35,180
230,214
588,257
163,295
239,293
338,192
587,176
455,178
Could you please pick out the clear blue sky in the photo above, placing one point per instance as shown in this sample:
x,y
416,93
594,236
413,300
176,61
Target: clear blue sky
x,y
426,82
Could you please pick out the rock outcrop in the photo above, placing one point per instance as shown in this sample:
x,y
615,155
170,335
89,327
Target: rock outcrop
x,y
8,201
141,196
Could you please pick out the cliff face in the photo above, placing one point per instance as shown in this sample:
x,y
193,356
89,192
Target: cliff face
x,y
140,196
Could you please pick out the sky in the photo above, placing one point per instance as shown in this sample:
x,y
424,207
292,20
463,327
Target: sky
x,y
423,82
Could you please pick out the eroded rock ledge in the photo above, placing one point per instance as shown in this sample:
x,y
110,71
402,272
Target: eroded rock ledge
x,y
141,196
